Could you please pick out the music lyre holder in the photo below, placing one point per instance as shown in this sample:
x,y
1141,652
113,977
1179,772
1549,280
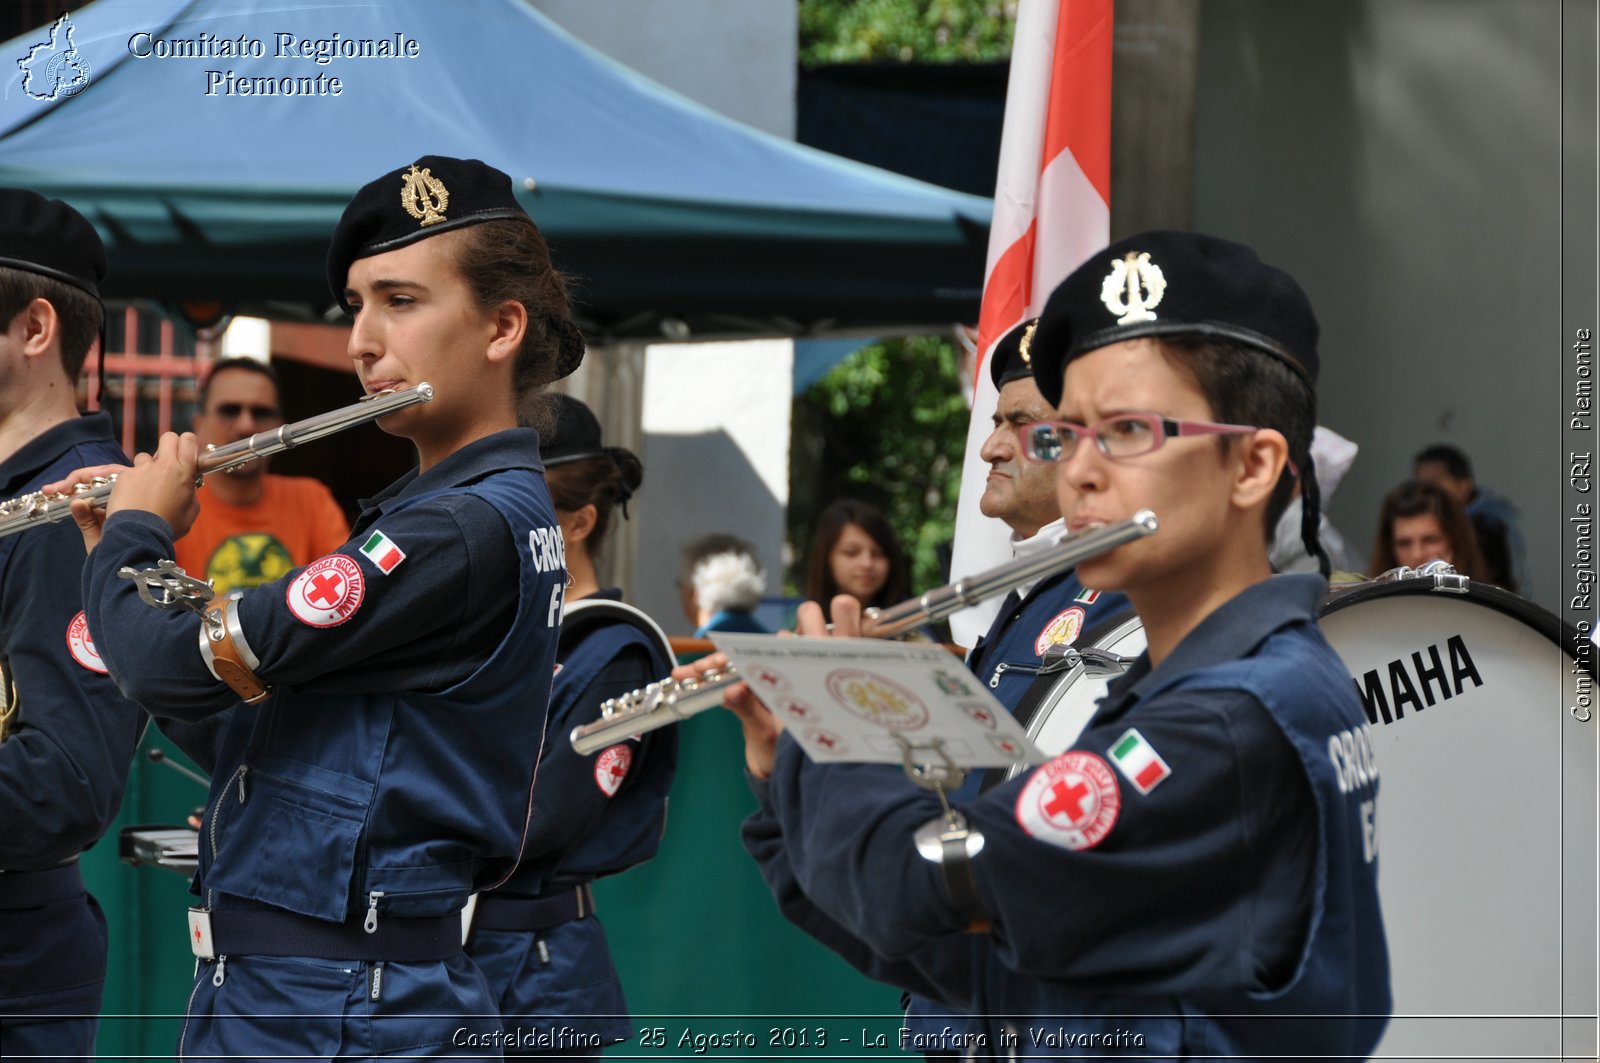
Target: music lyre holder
x,y
166,586
935,838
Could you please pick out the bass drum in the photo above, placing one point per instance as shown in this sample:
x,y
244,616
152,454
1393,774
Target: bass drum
x,y
1486,824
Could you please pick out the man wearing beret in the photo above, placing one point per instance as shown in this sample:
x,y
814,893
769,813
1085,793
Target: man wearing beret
x,y
67,736
380,771
1035,619
1193,878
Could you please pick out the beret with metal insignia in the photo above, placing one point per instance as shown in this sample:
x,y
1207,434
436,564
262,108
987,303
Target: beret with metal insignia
x,y
433,195
1174,284
48,237
1012,357
576,434
576,437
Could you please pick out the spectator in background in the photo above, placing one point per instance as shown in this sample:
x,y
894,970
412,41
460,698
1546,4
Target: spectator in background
x,y
1331,455
1493,517
720,584
1421,522
856,552
254,526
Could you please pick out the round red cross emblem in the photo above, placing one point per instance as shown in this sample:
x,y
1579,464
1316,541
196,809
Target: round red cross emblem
x,y
1072,801
611,767
327,593
81,646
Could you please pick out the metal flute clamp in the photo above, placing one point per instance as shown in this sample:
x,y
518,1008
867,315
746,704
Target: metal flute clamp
x,y
930,767
166,586
1092,659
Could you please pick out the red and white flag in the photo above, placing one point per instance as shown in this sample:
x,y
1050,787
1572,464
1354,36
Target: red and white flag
x,y
1051,211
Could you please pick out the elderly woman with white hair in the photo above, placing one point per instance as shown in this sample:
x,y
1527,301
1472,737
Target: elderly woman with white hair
x,y
721,583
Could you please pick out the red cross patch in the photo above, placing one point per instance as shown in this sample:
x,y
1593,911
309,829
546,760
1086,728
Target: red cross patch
x,y
1071,801
327,593
611,767
81,646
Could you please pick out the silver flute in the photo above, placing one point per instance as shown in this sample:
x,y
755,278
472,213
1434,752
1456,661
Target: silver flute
x,y
32,510
671,700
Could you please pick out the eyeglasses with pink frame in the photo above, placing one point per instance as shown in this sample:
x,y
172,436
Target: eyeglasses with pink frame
x,y
1123,435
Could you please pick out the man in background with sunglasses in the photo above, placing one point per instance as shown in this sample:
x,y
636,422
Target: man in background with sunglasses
x,y
1196,877
254,526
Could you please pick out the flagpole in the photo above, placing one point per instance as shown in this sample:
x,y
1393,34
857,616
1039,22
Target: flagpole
x,y
1051,211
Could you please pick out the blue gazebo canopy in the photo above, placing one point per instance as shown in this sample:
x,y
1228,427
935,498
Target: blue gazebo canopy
x,y
658,207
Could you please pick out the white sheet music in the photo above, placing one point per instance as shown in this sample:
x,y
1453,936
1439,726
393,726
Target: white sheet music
x,y
855,699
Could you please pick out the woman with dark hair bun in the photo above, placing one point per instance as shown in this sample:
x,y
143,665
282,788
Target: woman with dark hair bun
x,y
1421,522
536,937
856,552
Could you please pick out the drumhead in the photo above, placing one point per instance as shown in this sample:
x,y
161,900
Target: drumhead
x,y
1486,812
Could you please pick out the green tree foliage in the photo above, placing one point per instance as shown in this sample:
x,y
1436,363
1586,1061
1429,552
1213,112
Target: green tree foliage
x,y
928,31
888,426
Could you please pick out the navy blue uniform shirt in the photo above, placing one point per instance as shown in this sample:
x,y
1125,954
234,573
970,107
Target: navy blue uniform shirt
x,y
411,634
477,569
389,773
1196,855
65,763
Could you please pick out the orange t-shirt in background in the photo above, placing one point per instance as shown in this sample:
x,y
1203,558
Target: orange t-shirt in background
x,y
294,522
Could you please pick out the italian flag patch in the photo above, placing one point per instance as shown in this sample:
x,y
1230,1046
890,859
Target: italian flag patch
x,y
1138,760
381,551
1086,596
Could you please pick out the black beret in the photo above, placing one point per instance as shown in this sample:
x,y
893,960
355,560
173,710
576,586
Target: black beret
x,y
1012,357
1169,283
576,434
433,195
48,237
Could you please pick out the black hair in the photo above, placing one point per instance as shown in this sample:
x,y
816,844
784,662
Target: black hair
x,y
80,313
1243,385
252,365
1454,461
820,584
604,481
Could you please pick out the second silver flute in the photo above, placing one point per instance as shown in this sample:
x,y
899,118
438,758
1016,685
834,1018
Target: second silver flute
x,y
669,701
30,511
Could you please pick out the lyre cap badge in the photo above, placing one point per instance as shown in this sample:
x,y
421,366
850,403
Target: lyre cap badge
x,y
1026,342
1133,287
423,195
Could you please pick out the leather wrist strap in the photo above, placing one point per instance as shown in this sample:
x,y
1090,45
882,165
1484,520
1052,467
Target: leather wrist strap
x,y
226,653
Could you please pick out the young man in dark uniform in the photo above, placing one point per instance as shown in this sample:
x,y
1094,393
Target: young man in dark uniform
x,y
1033,620
386,775
67,736
1197,876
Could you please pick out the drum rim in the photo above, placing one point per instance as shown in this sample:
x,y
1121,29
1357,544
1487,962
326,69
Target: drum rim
x,y
1531,614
